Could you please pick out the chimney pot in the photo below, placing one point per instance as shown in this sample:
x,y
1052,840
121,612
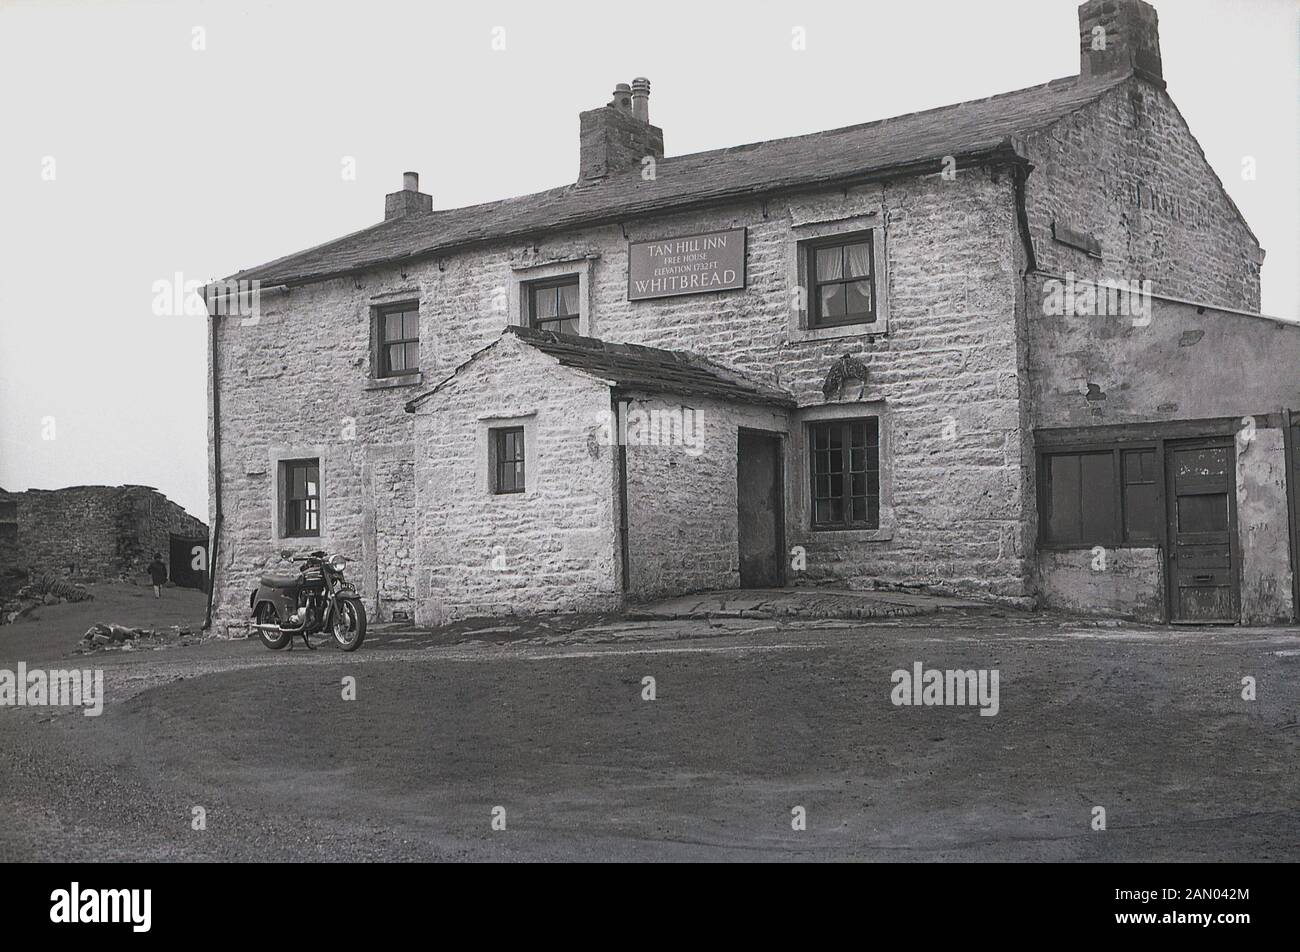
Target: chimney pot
x,y
622,99
411,181
641,98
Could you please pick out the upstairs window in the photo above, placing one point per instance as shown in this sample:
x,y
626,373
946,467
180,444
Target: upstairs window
x,y
553,304
301,497
507,460
845,473
398,332
842,281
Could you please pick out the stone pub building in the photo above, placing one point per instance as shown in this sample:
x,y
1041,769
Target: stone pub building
x,y
1007,348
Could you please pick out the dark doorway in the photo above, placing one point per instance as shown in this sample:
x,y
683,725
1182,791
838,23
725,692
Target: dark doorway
x,y
186,553
1200,484
760,519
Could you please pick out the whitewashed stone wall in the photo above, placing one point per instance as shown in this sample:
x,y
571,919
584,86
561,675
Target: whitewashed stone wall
x,y
944,378
553,547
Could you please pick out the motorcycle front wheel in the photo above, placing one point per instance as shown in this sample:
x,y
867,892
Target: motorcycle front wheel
x,y
265,615
350,624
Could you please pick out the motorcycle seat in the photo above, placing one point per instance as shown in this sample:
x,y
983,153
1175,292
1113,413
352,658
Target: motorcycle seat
x,y
280,581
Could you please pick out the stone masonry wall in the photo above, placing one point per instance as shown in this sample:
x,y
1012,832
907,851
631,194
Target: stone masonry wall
x,y
944,375
394,484
553,547
1127,171
98,530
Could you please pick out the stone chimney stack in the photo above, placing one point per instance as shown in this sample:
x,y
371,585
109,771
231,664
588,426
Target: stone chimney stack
x,y
617,137
1118,37
409,201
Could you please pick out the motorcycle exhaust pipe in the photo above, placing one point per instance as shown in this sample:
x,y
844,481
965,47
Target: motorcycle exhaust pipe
x,y
278,628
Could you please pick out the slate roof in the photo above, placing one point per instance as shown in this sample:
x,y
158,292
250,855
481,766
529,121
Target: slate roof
x,y
636,368
981,127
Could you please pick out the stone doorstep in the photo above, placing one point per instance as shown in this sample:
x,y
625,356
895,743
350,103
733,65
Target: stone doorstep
x,y
798,603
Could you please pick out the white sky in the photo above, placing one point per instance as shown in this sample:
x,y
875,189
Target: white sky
x,y
169,159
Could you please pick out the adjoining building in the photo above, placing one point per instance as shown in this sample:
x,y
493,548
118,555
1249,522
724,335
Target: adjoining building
x,y
1008,348
100,532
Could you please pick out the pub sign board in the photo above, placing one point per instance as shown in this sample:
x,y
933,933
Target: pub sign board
x,y
690,264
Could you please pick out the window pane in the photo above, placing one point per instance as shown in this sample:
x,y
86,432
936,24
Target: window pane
x,y
1140,523
396,357
411,325
831,301
545,300
1081,498
1139,466
1063,498
412,356
568,299
393,325
830,264
1140,502
857,260
1208,513
857,297
1098,484
567,326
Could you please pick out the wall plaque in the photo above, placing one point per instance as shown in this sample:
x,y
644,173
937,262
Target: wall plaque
x,y
691,264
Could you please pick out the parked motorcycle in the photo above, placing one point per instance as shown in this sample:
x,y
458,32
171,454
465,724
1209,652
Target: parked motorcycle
x,y
315,599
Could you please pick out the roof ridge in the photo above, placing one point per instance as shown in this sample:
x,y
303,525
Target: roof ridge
x,y
978,128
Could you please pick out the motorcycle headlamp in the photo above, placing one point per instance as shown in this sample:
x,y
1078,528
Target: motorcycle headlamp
x,y
337,562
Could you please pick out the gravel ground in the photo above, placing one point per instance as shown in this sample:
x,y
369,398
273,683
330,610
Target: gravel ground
x,y
751,719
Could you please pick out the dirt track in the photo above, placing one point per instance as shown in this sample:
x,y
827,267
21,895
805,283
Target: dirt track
x,y
751,719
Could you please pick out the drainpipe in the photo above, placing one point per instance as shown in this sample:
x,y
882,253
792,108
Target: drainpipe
x,y
619,438
1019,175
215,541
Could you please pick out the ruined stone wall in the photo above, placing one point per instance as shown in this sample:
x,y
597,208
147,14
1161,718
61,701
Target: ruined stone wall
x,y
553,547
1127,172
97,530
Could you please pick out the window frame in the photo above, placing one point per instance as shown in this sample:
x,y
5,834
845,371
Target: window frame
x,y
1115,536
287,467
809,251
496,440
571,279
382,367
846,473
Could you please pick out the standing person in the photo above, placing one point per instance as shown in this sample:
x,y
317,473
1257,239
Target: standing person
x,y
157,574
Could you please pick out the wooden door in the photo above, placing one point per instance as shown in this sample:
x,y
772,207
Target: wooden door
x,y
1201,497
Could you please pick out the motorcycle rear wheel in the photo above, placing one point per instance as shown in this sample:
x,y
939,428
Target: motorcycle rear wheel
x,y
350,624
265,615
